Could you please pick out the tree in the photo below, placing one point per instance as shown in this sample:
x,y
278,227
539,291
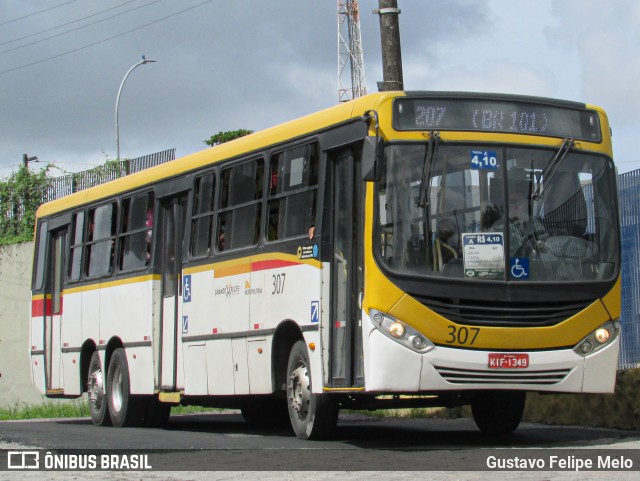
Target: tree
x,y
20,196
227,136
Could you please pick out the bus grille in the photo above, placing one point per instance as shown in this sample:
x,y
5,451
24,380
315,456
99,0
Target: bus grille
x,y
475,376
500,313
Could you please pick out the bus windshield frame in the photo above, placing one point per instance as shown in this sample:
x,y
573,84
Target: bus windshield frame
x,y
481,220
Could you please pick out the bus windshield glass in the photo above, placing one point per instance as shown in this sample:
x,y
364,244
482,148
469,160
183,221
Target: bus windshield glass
x,y
487,213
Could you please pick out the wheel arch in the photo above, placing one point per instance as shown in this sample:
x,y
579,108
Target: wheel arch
x,y
86,351
113,344
286,335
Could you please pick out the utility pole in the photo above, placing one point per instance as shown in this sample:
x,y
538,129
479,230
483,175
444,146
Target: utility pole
x,y
26,159
390,37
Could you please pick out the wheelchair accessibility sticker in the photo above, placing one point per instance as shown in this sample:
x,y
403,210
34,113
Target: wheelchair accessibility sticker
x,y
519,268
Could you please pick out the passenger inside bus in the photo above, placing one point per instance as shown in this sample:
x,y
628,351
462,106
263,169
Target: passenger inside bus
x,y
446,243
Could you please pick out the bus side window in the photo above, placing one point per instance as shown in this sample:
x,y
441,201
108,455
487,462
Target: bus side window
x,y
293,193
38,277
202,215
75,259
136,232
100,240
240,205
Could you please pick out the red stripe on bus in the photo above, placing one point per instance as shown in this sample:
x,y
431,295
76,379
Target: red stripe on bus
x,y
41,307
271,264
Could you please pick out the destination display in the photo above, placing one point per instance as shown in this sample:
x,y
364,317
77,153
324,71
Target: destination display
x,y
497,115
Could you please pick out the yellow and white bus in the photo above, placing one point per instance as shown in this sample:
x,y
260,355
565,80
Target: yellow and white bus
x,y
401,249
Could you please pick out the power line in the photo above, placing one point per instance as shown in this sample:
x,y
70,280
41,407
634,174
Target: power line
x,y
36,13
103,40
64,24
78,28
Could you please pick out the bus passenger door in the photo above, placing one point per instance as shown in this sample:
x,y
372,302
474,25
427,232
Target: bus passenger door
x,y
346,271
172,222
53,312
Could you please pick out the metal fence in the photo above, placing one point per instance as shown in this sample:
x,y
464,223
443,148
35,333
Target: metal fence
x,y
68,184
629,197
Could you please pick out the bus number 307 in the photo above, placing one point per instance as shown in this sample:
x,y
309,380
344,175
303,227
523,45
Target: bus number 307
x,y
462,335
278,283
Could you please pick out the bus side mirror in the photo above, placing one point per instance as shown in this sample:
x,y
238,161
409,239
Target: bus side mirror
x,y
371,158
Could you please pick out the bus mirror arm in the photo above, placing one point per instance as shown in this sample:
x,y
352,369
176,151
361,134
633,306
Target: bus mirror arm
x,y
372,150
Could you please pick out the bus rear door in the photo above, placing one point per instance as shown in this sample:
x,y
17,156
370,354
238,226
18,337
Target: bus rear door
x,y
52,311
172,222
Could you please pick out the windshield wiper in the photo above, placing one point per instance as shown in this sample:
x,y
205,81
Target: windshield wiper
x,y
429,159
552,166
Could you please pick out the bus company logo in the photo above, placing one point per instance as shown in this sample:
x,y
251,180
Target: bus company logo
x,y
250,291
228,290
23,460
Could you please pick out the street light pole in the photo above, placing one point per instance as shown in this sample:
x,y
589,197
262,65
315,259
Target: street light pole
x,y
141,62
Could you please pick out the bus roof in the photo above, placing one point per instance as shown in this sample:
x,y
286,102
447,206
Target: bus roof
x,y
272,136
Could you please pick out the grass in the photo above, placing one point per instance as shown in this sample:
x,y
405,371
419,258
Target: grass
x,y
77,408
49,409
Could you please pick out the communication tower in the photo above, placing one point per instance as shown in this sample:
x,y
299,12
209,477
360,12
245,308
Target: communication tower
x,y
350,51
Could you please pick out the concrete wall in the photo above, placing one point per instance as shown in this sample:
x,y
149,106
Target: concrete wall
x,y
15,299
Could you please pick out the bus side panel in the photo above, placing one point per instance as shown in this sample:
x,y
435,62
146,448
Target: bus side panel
x,y
229,313
259,358
90,320
71,337
36,345
220,376
132,323
196,320
195,365
287,290
325,320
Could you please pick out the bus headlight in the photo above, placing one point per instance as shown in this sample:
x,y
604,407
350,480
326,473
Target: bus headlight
x,y
599,338
400,332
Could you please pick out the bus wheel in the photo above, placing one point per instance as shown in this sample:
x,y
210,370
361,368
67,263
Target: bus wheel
x,y
498,412
312,416
95,390
124,409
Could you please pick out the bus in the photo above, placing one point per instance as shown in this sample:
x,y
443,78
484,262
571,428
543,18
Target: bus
x,y
403,249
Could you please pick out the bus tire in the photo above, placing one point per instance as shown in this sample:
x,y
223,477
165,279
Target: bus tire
x,y
498,413
312,416
98,408
124,409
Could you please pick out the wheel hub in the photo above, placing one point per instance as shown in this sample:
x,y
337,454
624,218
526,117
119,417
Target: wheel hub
x,y
95,388
299,392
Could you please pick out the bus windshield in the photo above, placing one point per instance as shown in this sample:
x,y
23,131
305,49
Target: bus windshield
x,y
487,212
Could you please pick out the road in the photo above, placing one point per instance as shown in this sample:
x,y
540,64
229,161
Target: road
x,y
392,447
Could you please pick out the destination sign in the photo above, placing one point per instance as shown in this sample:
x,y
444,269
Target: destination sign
x,y
495,115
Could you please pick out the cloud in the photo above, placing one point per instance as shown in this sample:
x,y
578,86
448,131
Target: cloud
x,y
254,63
493,75
606,41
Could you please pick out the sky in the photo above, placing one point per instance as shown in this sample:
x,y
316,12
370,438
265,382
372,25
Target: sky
x,y
250,64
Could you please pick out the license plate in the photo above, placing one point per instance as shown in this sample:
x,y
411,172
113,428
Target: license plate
x,y
508,361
